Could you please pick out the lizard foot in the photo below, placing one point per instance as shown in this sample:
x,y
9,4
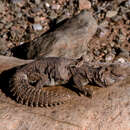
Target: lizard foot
x,y
87,92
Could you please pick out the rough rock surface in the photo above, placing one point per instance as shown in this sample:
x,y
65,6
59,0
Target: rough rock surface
x,y
61,41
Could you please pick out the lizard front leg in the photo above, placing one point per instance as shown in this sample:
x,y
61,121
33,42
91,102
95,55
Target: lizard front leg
x,y
80,81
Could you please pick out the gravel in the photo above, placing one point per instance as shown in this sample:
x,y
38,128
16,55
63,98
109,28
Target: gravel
x,y
37,27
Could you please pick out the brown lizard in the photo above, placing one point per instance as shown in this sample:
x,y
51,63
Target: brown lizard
x,y
37,83
32,84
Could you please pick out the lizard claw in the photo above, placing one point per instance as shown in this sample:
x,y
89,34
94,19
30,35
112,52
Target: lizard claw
x,y
87,92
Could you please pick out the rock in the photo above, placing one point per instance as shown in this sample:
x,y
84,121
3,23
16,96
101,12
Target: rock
x,y
37,27
20,3
109,58
55,6
128,4
69,39
84,4
16,1
111,14
7,63
121,60
3,47
108,109
1,7
121,1
37,2
47,5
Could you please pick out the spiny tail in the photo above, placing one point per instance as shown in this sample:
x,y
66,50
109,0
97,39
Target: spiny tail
x,y
32,96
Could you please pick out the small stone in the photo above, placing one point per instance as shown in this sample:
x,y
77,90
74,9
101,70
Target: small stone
x,y
103,32
19,15
84,4
1,7
127,4
1,25
9,25
37,27
53,15
16,1
121,60
110,57
111,14
47,5
56,6
37,2
21,43
3,47
112,44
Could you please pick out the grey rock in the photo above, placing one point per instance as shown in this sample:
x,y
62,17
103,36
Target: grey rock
x,y
3,47
1,7
109,58
111,14
127,4
38,1
37,27
68,40
19,14
16,1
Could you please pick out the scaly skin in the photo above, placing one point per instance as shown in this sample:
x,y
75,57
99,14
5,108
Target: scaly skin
x,y
43,97
39,83
35,84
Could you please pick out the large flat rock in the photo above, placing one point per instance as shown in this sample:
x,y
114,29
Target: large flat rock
x,y
69,39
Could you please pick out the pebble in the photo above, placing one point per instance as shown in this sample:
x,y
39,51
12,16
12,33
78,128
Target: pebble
x,y
111,14
1,7
55,6
37,27
16,1
84,4
37,2
109,57
19,15
121,60
127,4
47,5
1,25
8,25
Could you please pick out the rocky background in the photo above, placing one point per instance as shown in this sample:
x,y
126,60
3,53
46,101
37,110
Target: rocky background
x,y
25,24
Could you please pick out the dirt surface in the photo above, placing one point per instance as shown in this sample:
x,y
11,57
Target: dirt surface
x,y
23,21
